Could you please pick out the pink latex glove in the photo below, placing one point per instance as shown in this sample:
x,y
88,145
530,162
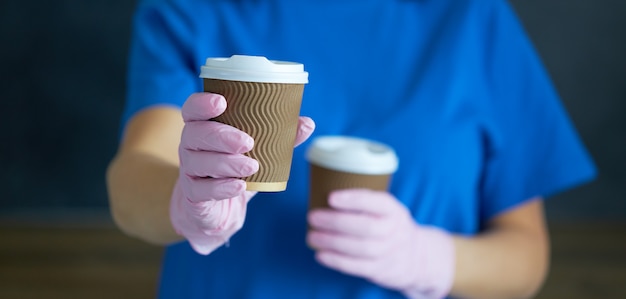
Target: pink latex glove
x,y
208,204
370,234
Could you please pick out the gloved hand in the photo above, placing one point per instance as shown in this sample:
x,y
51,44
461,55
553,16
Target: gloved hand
x,y
208,204
370,234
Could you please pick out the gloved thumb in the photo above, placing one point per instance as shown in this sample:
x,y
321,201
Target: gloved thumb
x,y
306,126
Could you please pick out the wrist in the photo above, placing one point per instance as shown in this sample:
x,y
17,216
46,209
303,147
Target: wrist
x,y
187,220
435,265
207,225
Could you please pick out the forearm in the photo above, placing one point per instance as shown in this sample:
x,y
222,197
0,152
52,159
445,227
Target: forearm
x,y
503,262
140,187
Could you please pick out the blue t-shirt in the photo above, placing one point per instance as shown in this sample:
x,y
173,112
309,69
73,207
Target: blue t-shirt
x,y
454,86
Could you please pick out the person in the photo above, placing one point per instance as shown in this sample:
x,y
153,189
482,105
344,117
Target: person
x,y
454,86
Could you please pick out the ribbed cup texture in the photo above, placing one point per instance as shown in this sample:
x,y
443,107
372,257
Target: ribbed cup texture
x,y
269,113
324,181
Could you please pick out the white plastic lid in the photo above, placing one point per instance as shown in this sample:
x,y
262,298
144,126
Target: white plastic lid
x,y
254,69
354,155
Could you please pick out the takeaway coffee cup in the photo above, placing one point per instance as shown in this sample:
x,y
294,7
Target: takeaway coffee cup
x,y
263,99
342,162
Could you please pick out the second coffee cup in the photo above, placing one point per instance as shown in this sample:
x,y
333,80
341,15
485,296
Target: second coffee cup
x,y
343,162
263,99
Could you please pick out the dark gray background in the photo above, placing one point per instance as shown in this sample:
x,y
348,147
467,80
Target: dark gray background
x,y
63,67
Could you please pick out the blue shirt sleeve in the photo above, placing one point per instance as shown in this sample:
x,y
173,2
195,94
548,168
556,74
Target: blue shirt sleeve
x,y
532,146
161,68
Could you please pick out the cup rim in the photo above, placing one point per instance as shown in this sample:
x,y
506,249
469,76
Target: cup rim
x,y
254,69
352,154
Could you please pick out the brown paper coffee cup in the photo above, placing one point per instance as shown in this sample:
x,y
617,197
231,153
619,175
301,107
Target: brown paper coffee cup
x,y
263,99
340,162
324,181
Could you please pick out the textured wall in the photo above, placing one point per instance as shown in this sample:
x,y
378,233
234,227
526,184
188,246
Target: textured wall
x,y
62,65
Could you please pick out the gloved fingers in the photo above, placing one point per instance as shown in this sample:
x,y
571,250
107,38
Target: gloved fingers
x,y
373,202
306,126
198,190
248,195
203,106
216,165
349,223
355,266
215,136
348,245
